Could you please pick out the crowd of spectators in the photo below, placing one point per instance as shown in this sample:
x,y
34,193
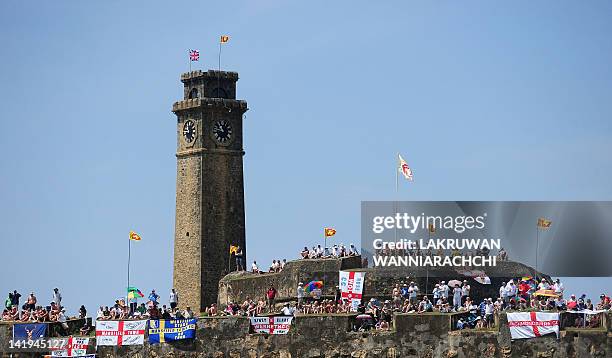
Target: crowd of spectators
x,y
318,252
149,310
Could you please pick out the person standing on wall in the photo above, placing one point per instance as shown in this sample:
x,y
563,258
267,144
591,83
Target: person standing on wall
x,y
173,299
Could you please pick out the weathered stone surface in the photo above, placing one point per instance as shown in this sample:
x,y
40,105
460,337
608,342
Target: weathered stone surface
x,y
209,187
328,336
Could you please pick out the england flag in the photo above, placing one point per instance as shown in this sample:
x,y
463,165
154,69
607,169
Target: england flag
x,y
532,324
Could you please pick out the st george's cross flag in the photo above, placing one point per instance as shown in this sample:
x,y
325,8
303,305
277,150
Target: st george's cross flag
x,y
404,168
120,333
351,287
532,324
70,347
272,324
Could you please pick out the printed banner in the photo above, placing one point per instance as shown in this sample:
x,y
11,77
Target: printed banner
x,y
532,324
165,330
29,331
69,347
82,356
271,325
351,286
120,333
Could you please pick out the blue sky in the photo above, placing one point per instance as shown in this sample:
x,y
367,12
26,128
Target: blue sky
x,y
486,102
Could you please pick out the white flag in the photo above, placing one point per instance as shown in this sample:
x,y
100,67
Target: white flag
x,y
404,168
120,333
351,287
271,325
532,324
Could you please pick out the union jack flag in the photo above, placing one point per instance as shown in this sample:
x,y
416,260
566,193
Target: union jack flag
x,y
194,55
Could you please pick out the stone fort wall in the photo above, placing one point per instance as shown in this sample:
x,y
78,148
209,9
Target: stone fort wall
x,y
329,336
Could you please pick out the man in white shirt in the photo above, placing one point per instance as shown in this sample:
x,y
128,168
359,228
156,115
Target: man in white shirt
x,y
489,309
300,294
558,287
319,251
502,292
254,267
57,297
353,250
465,290
437,293
444,289
61,318
174,299
287,310
413,291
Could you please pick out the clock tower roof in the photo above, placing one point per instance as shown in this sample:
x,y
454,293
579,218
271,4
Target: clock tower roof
x,y
210,74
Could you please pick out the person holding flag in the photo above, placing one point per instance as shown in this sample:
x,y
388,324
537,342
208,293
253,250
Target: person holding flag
x,y
133,294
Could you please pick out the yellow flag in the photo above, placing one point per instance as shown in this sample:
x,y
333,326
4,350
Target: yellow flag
x,y
544,223
134,236
224,39
329,232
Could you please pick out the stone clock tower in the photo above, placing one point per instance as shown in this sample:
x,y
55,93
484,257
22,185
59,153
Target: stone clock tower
x,y
209,185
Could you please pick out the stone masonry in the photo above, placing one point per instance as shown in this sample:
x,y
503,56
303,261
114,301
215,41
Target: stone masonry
x,y
209,186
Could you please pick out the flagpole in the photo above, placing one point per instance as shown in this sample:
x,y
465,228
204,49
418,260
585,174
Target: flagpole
x,y
324,241
537,248
189,59
128,267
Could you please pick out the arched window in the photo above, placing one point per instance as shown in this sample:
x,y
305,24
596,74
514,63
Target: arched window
x,y
193,93
219,93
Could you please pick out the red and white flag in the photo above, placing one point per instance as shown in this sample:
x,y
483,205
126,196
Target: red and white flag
x,y
194,55
271,325
532,324
120,333
69,347
351,287
404,168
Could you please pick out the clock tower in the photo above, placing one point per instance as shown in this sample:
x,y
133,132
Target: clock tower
x,y
209,185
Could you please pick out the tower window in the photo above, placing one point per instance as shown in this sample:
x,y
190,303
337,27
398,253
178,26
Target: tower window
x,y
193,93
219,93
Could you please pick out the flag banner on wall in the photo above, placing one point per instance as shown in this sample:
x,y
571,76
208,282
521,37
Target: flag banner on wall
x,y
81,356
351,287
532,324
69,347
271,325
166,330
29,331
120,333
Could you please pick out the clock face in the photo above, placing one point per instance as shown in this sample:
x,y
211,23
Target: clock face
x,y
189,131
222,131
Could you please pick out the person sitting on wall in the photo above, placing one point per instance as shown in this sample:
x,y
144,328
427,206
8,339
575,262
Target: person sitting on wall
x,y
461,324
84,331
255,268
382,325
25,316
41,314
304,253
5,314
604,302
